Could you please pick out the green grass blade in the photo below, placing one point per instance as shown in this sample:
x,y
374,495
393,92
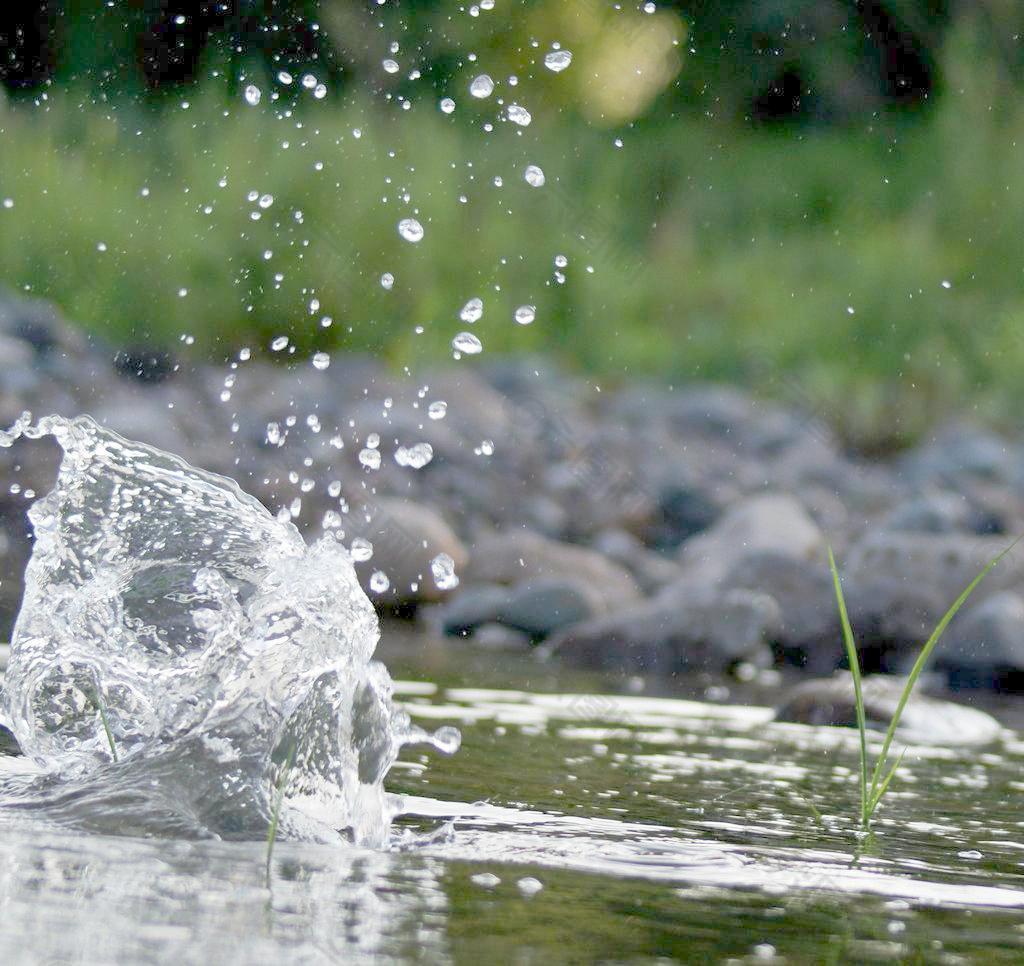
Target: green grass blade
x,y
275,816
922,658
106,724
853,659
885,783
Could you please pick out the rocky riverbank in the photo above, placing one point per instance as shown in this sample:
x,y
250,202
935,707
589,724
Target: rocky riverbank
x,y
646,528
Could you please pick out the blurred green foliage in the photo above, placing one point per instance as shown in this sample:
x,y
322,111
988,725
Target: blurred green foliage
x,y
867,270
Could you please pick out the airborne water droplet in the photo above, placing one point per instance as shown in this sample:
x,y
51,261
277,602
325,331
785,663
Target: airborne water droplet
x,y
518,115
447,105
437,410
379,582
468,343
387,281
370,458
279,343
525,314
360,549
321,360
472,310
410,229
534,176
253,95
557,60
391,66
481,86
443,569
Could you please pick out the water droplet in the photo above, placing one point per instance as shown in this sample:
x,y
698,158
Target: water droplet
x,y
447,105
391,66
561,261
417,456
360,549
534,176
370,458
379,582
468,343
486,448
518,115
557,60
266,201
387,281
481,86
525,314
437,410
284,77
443,569
946,283
8,202
487,880
253,95
320,91
410,229
321,360
472,310
529,886
308,81
279,343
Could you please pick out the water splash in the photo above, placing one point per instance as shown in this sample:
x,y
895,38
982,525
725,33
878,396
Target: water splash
x,y
171,622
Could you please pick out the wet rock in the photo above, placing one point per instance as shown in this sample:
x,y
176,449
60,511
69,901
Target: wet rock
x,y
961,450
695,629
650,570
406,537
8,743
984,645
925,720
498,637
901,583
145,365
40,325
943,512
770,522
472,607
512,556
808,634
536,608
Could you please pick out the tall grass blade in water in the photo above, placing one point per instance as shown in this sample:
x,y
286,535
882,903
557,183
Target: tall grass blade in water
x,y
275,817
872,792
106,724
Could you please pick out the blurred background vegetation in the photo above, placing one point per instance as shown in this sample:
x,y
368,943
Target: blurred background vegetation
x,y
821,199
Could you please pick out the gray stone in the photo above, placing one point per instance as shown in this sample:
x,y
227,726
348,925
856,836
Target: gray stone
x,y
925,720
543,606
899,584
770,522
516,555
985,641
685,630
809,633
650,570
473,606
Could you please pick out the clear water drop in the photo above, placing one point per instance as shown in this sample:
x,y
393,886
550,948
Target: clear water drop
x,y
360,549
518,115
481,86
284,77
411,230
391,66
472,310
468,343
443,569
525,314
379,582
557,60
534,176
447,105
253,95
438,409
370,458
279,343
387,281
321,360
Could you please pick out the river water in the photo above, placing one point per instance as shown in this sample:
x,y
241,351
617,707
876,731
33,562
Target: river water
x,y
584,819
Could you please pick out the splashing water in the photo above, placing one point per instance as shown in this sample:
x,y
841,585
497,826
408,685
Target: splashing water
x,y
177,645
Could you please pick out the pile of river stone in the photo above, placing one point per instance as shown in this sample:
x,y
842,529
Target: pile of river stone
x,y
648,529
